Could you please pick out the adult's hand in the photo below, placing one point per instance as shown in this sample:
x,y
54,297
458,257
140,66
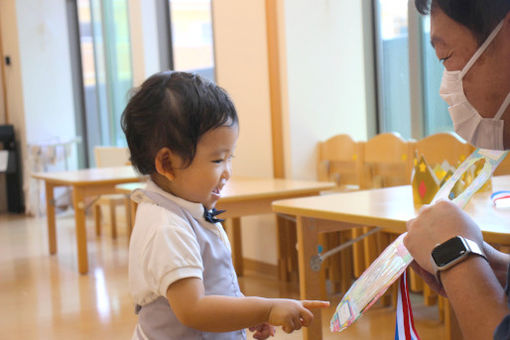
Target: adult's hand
x,y
429,279
434,225
499,262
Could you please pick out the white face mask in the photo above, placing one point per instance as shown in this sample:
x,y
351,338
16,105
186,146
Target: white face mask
x,y
485,133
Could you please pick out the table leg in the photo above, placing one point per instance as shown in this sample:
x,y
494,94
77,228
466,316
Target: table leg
x,y
282,243
370,247
113,219
234,235
97,218
50,218
81,233
309,282
127,206
358,253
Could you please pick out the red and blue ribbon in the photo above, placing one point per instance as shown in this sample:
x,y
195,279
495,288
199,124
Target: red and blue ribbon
x,y
404,327
500,196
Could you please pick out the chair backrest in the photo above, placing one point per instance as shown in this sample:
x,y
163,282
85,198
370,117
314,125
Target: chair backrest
x,y
340,160
108,156
388,161
442,146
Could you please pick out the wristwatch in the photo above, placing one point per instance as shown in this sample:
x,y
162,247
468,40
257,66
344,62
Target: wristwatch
x,y
453,251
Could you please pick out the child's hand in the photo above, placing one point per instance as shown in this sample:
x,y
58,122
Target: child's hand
x,y
263,331
292,314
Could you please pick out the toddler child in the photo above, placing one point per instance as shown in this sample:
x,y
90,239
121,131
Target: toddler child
x,y
182,131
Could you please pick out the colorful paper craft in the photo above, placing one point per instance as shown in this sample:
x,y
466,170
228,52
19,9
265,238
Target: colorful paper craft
x,y
425,182
393,261
371,285
492,158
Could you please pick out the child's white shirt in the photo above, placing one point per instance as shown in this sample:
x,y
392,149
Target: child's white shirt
x,y
163,247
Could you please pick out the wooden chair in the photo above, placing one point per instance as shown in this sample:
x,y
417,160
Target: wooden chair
x,y
442,146
106,156
503,168
388,161
340,161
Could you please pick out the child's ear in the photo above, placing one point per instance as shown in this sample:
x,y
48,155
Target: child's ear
x,y
163,163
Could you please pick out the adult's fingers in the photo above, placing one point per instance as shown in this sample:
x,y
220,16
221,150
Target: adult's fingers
x,y
429,278
409,223
425,208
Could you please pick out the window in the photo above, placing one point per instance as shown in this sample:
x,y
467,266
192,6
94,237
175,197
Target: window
x,y
408,72
102,55
437,118
393,66
106,69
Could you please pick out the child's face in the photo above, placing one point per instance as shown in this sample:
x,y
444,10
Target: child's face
x,y
210,170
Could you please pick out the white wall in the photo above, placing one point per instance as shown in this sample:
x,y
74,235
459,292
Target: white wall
x,y
45,70
47,88
240,43
38,81
241,68
325,78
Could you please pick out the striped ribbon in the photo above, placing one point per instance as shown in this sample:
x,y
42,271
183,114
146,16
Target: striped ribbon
x,y
404,327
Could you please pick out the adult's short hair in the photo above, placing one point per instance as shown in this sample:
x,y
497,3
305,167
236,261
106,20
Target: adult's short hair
x,y
479,16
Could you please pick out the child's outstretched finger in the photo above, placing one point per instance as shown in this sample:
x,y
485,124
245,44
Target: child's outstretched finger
x,y
314,304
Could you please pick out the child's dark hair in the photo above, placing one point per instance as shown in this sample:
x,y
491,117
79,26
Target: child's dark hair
x,y
173,110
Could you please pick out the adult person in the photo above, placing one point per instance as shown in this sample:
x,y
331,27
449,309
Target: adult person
x,y
472,39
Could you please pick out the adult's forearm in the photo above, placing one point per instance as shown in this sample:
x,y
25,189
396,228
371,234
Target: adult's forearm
x,y
476,296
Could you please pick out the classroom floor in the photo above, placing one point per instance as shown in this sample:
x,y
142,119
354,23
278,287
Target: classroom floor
x,y
44,297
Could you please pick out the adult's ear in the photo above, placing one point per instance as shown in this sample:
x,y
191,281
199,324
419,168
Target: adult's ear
x,y
164,163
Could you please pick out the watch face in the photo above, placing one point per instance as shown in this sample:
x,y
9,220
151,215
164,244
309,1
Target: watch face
x,y
448,251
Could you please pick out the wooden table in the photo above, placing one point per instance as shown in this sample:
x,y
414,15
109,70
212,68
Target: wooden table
x,y
388,208
245,196
84,183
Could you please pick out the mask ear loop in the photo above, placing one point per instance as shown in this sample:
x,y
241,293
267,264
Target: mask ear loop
x,y
503,107
481,49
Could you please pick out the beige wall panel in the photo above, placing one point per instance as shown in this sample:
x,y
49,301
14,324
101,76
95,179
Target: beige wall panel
x,y
242,69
